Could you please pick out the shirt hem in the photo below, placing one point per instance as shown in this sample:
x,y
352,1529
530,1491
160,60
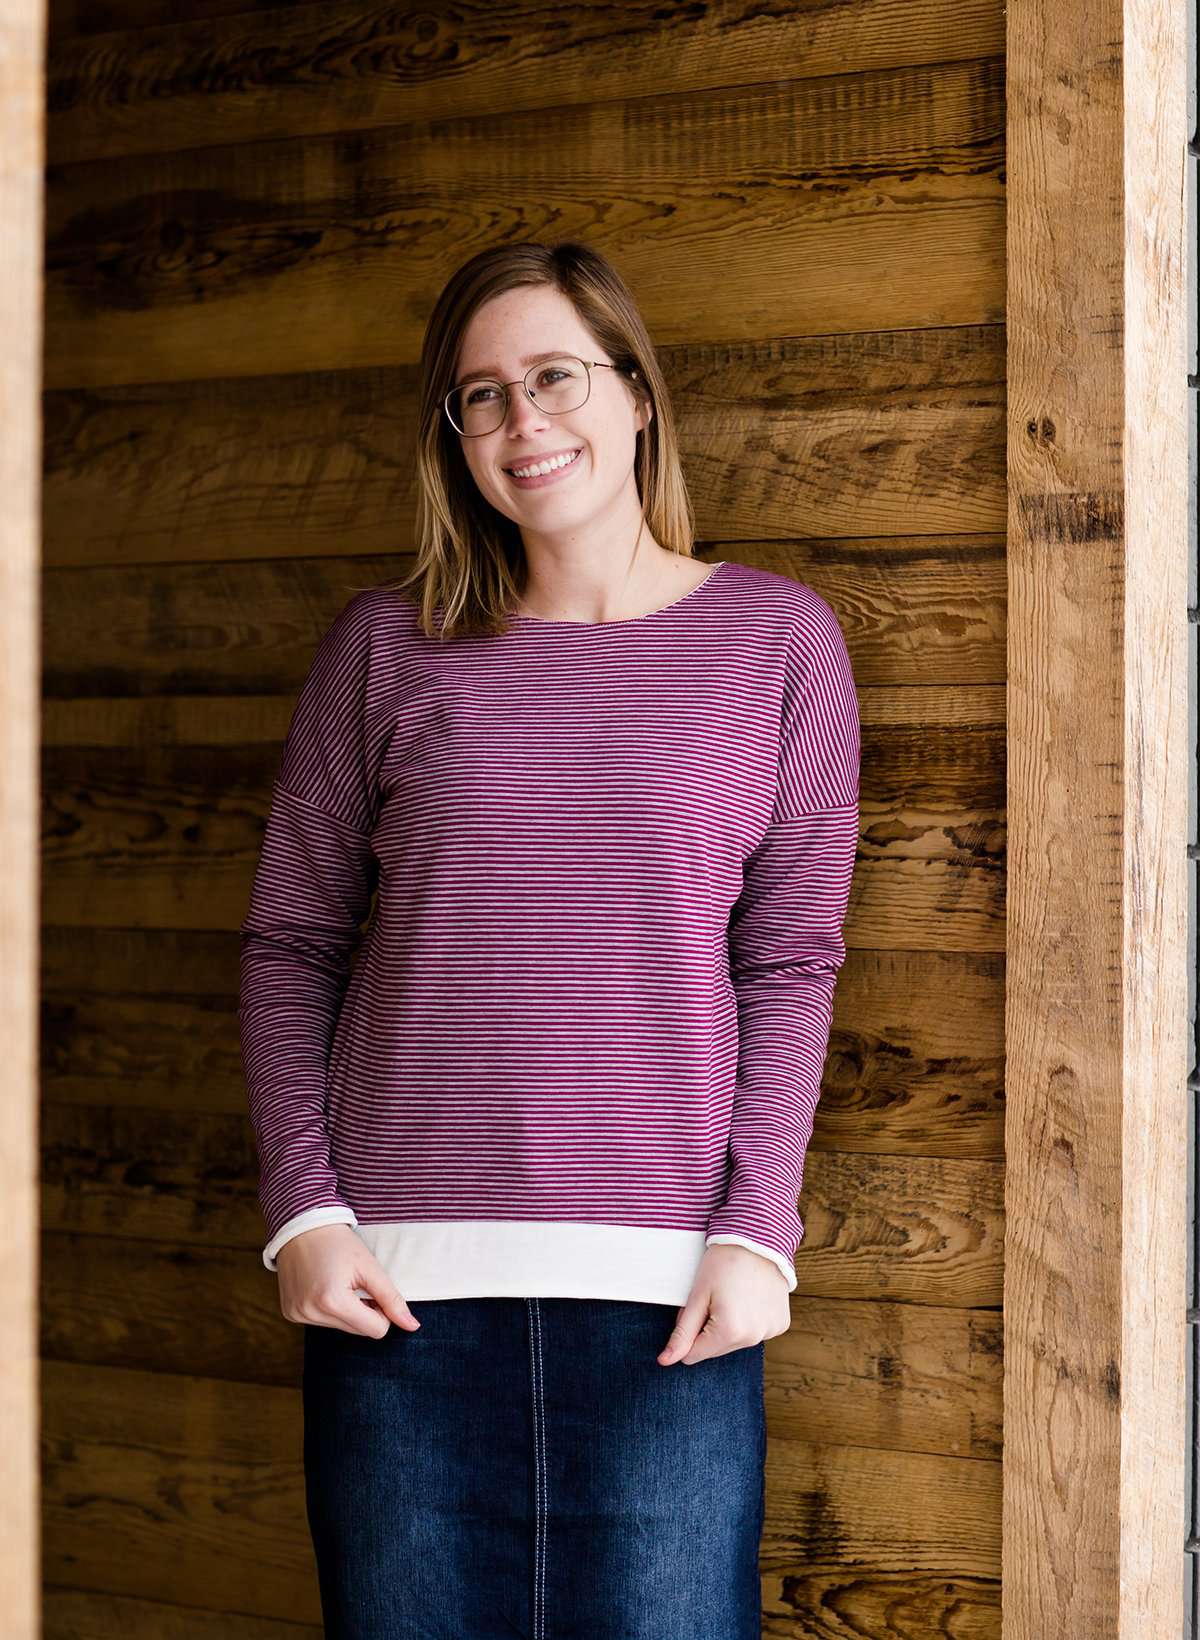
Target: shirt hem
x,y
535,1258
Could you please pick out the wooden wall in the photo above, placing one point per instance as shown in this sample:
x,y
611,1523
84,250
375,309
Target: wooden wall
x,y
248,213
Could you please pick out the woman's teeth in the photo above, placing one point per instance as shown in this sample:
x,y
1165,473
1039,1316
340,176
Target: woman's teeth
x,y
543,466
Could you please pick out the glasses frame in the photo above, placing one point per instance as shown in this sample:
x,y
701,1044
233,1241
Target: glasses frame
x,y
588,364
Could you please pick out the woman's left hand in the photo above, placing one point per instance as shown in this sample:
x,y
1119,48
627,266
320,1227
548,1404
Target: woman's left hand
x,y
738,1298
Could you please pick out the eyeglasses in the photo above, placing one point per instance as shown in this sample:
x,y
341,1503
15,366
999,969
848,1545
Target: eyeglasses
x,y
563,383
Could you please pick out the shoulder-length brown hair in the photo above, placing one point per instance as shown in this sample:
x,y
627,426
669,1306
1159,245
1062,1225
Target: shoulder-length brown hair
x,y
470,557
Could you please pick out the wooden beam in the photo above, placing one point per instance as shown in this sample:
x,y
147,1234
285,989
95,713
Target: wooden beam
x,y
1095,1201
22,161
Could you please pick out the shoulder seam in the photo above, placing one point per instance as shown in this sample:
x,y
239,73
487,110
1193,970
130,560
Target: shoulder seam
x,y
326,814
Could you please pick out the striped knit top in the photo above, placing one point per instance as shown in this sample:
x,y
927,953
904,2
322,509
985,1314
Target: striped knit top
x,y
604,869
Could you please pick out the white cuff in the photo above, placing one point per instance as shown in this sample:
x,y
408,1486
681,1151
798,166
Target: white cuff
x,y
308,1220
785,1268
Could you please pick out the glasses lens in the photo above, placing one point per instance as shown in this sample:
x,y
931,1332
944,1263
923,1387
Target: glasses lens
x,y
556,386
476,408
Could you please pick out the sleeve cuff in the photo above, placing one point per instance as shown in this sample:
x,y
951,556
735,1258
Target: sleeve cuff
x,y
786,1269
308,1220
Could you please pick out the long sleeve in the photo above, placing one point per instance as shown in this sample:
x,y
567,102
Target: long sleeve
x,y
786,944
312,890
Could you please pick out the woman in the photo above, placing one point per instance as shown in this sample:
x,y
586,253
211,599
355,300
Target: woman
x,y
560,1104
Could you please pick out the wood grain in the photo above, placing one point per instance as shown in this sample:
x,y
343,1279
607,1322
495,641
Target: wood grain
x,y
176,1488
1100,756
175,832
860,202
91,1614
233,71
147,1017
249,211
803,1597
188,1489
901,1376
893,434
927,1229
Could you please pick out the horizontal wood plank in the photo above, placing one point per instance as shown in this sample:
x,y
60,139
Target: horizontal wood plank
x,y
229,71
924,1228
889,434
176,1488
117,721
182,1488
121,1301
90,1614
900,1512
806,1597
321,468
918,613
855,203
904,1377
70,17
147,1017
169,836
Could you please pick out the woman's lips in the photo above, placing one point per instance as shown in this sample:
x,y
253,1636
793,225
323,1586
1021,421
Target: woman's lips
x,y
542,479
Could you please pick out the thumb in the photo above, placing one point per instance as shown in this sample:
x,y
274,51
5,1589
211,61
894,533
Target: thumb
x,y
386,1294
690,1318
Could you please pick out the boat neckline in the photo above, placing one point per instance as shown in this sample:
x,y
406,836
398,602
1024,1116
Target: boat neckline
x,y
628,620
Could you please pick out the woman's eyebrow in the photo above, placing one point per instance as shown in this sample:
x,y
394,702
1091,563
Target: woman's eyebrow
x,y
531,358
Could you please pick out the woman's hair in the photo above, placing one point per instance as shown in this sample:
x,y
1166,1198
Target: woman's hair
x,y
470,557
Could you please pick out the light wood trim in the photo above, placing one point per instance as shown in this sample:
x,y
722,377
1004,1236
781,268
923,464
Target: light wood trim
x,y
1095,1204
22,161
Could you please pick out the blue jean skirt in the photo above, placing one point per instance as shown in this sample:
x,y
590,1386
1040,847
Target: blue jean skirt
x,y
524,1467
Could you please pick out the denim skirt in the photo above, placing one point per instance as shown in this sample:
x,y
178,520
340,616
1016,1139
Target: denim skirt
x,y
524,1467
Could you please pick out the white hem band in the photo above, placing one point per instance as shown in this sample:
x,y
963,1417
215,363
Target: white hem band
x,y
536,1258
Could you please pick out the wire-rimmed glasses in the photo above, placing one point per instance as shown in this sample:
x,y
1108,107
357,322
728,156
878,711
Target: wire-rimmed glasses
x,y
563,383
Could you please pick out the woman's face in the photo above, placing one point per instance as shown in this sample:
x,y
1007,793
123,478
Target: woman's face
x,y
599,486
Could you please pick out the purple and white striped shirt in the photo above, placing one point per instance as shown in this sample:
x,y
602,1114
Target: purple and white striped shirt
x,y
584,1034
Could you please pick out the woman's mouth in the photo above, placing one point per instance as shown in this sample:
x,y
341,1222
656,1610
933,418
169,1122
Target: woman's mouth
x,y
536,478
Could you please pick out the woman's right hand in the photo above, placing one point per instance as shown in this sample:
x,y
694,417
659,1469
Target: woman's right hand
x,y
319,1271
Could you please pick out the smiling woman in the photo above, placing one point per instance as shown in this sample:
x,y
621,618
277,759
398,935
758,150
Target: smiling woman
x,y
608,798
548,464
570,424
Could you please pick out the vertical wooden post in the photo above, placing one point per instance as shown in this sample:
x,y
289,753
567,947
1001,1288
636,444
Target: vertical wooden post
x,y
1096,1168
22,159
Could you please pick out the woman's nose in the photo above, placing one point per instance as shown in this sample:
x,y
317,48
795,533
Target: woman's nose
x,y
524,414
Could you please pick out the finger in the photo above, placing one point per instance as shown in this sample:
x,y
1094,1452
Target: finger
x,y
707,1343
691,1318
387,1297
361,1326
